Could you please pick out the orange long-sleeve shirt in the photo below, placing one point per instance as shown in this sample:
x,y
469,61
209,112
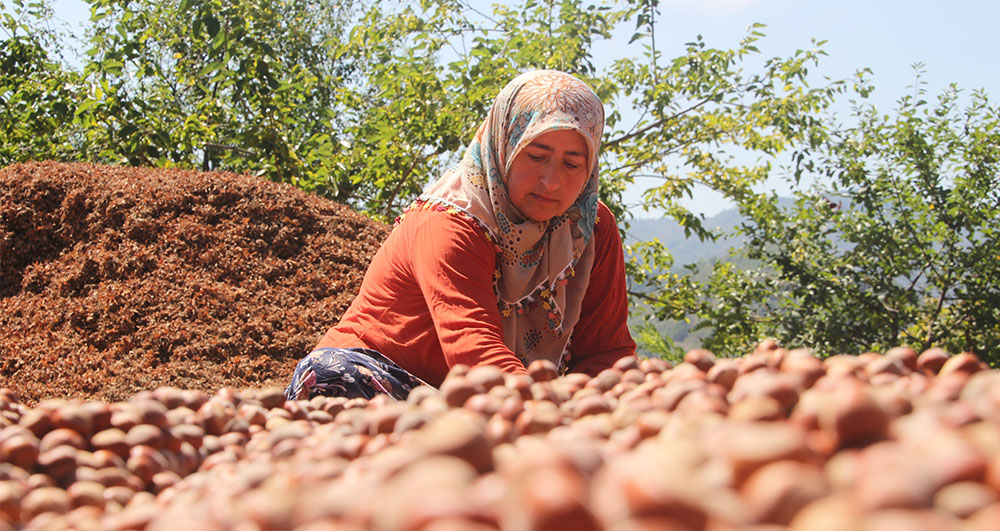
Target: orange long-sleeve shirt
x,y
427,301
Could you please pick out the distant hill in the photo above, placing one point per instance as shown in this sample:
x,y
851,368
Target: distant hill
x,y
692,250
687,250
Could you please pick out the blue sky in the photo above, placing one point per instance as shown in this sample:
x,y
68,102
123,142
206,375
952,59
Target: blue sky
x,y
956,40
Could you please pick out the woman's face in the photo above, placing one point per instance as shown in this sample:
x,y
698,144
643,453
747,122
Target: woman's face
x,y
548,174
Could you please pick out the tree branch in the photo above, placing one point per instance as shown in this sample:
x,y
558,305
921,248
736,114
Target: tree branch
x,y
654,125
660,155
642,296
405,178
937,312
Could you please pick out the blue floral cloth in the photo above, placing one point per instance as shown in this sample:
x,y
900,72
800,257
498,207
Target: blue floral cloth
x,y
351,373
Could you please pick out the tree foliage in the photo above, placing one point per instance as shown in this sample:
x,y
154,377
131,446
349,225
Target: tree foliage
x,y
37,91
894,243
366,101
249,86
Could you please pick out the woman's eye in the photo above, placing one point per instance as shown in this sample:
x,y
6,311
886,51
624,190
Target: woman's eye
x,y
536,158
572,165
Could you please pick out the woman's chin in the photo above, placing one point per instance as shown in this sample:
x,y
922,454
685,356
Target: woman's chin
x,y
541,210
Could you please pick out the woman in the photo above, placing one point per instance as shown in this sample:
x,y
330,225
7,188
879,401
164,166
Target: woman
x,y
508,258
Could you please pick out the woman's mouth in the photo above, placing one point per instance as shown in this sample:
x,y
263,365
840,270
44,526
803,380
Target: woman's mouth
x,y
544,200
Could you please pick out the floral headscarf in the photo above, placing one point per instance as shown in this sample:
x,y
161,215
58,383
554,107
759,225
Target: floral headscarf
x,y
543,268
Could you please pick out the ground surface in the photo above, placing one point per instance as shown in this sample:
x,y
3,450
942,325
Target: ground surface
x,y
115,280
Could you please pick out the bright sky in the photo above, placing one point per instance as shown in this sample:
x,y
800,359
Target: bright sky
x,y
957,40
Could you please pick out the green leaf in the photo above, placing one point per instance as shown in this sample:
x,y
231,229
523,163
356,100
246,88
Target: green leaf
x,y
211,26
209,68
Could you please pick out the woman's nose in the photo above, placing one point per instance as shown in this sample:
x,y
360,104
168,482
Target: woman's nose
x,y
549,178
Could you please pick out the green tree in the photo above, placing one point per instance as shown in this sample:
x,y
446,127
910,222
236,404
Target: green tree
x,y
894,243
252,86
368,101
423,99
38,93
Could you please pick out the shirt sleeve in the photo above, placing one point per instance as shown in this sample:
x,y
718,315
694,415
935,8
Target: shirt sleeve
x,y
453,265
601,336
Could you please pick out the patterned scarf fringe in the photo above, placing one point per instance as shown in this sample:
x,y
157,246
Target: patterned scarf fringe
x,y
542,294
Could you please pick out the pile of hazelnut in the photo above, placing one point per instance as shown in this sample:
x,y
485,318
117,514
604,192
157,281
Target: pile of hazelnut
x,y
776,439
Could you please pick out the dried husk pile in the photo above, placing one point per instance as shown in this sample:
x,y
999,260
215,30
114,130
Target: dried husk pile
x,y
115,280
